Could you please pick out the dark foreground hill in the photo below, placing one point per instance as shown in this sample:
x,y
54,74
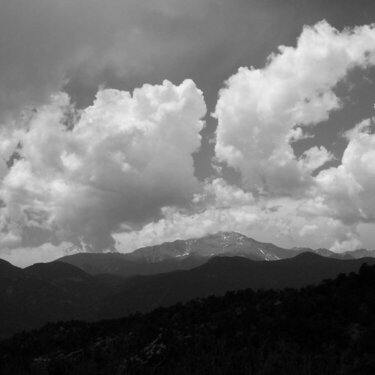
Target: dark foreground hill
x,y
55,291
327,329
220,275
42,293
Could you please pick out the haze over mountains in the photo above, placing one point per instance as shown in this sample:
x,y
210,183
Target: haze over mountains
x,y
94,286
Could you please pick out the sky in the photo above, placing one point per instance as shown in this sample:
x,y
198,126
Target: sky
x,y
130,123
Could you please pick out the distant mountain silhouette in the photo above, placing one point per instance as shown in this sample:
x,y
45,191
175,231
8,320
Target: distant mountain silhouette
x,y
188,254
360,253
8,270
47,292
55,291
326,329
222,274
125,265
177,255
56,271
223,243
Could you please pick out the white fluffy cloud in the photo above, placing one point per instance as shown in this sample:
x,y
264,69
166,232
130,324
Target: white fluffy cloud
x,y
117,163
223,207
260,112
120,173
314,158
349,189
259,109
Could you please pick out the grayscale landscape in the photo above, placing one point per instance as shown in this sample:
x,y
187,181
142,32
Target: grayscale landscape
x,y
187,187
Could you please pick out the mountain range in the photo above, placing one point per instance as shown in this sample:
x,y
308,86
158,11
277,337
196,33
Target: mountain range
x,y
220,275
95,286
187,254
325,329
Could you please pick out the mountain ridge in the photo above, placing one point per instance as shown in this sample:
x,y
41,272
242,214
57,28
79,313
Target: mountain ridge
x,y
324,329
187,254
111,285
220,275
55,291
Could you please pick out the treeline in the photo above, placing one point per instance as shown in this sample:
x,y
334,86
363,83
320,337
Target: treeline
x,y
323,330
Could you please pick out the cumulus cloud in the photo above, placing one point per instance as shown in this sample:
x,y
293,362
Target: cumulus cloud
x,y
349,189
259,109
120,173
314,158
224,207
260,112
114,165
341,198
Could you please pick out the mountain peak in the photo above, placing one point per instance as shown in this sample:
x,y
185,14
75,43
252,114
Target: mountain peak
x,y
228,237
221,243
190,253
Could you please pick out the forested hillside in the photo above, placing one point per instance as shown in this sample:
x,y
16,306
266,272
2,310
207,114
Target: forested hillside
x,y
326,329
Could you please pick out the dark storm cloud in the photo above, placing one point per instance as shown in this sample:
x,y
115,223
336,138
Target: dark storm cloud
x,y
44,43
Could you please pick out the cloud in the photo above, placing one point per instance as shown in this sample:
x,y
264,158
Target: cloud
x,y
47,44
349,189
115,164
25,256
224,207
314,158
259,109
120,172
260,112
348,245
